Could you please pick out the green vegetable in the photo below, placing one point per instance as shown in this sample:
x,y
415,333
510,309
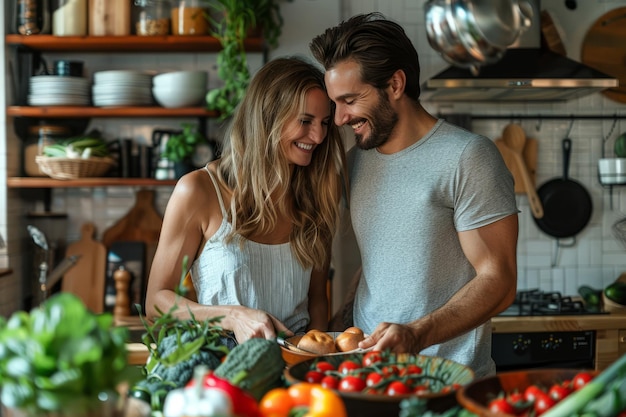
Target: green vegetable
x,y
256,366
616,292
620,146
595,390
60,357
93,141
591,296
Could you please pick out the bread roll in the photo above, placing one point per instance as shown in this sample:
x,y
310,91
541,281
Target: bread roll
x,y
349,339
317,341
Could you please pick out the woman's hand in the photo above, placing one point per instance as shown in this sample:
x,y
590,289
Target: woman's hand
x,y
248,323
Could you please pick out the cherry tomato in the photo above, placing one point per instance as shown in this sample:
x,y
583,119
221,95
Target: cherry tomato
x,y
324,366
390,370
501,405
351,383
450,388
581,379
412,369
346,367
314,377
420,389
532,392
397,388
515,398
372,357
330,382
559,391
300,393
373,378
543,402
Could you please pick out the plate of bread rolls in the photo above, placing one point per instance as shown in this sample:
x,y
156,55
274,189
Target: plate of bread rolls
x,y
316,343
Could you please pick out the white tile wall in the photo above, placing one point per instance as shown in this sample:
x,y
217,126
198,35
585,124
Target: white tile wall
x,y
596,259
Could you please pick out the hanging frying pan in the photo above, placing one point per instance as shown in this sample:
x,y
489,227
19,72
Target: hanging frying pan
x,y
566,203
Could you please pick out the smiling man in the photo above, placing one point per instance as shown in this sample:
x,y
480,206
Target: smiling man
x,y
432,205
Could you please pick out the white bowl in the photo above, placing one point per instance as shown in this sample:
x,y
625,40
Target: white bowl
x,y
197,79
178,97
612,170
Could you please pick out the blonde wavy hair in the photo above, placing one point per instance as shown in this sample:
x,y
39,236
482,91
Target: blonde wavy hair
x,y
263,182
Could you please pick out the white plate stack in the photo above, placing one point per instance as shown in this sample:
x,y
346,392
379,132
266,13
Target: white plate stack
x,y
122,88
56,90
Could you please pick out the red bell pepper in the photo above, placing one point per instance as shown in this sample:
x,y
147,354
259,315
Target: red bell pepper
x,y
244,404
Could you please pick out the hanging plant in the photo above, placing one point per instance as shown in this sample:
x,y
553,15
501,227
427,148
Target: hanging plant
x,y
237,19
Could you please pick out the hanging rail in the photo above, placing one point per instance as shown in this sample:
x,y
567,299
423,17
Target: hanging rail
x,y
543,116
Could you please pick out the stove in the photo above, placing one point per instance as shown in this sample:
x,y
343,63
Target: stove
x,y
526,350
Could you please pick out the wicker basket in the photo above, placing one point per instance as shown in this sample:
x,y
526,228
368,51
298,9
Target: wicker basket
x,y
72,168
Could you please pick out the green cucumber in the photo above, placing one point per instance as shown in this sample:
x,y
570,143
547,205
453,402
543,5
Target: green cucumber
x,y
620,146
591,296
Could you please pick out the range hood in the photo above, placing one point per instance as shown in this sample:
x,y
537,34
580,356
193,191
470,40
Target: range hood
x,y
526,72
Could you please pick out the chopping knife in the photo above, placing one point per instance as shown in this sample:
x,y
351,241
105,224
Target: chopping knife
x,y
48,281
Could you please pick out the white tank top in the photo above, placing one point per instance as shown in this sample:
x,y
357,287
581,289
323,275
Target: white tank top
x,y
256,275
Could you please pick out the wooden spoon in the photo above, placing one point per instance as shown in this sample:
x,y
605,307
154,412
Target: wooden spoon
x,y
515,139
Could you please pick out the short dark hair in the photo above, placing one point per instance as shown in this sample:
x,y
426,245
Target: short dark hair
x,y
380,47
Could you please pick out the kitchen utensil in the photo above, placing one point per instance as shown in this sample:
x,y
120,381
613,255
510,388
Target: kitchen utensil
x,y
619,231
38,237
515,138
287,344
86,280
604,49
131,255
530,160
551,39
567,205
469,34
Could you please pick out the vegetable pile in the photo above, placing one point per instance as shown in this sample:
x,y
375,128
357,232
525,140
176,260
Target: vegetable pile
x,y
380,373
85,146
60,357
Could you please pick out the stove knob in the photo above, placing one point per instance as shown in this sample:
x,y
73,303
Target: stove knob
x,y
551,343
520,345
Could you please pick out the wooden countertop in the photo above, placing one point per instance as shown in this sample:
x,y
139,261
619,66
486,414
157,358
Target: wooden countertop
x,y
505,324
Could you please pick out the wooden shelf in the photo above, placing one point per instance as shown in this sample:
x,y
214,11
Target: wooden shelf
x,y
45,182
82,111
119,44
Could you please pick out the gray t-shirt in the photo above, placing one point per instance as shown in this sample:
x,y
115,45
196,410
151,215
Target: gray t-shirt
x,y
406,210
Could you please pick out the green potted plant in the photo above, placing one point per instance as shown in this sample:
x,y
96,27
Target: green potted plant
x,y
180,148
62,359
238,18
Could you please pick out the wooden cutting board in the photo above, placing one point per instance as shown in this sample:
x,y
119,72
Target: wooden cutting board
x,y
141,223
530,158
604,48
86,279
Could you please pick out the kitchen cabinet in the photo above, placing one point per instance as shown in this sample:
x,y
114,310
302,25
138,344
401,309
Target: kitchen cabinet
x,y
39,44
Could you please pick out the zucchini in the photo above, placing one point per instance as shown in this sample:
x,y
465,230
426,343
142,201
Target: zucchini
x,y
591,296
620,146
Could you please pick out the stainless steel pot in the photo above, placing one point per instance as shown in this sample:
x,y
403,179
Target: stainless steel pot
x,y
472,33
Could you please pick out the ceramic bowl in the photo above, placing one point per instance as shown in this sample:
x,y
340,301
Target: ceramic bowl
x,y
178,97
366,405
476,395
181,79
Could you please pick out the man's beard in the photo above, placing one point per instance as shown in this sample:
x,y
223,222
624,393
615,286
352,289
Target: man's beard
x,y
381,124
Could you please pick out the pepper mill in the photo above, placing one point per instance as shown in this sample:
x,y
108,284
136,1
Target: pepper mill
x,y
122,298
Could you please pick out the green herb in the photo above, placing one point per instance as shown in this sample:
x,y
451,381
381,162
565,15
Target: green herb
x,y
181,146
61,356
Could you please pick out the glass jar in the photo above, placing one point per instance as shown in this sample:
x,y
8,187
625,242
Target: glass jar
x,y
32,17
152,17
109,17
38,138
190,17
69,17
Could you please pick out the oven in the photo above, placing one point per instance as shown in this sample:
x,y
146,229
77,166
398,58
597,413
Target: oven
x,y
573,349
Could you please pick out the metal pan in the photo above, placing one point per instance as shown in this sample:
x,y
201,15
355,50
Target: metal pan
x,y
566,203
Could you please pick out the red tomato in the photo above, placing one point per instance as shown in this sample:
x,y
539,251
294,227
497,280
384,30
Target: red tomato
x,y
543,403
501,405
412,369
397,388
450,388
346,367
581,379
314,377
558,391
372,357
329,382
324,366
390,370
420,389
351,383
373,378
516,398
532,392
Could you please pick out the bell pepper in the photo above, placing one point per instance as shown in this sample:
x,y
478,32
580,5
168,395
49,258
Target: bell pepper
x,y
302,399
